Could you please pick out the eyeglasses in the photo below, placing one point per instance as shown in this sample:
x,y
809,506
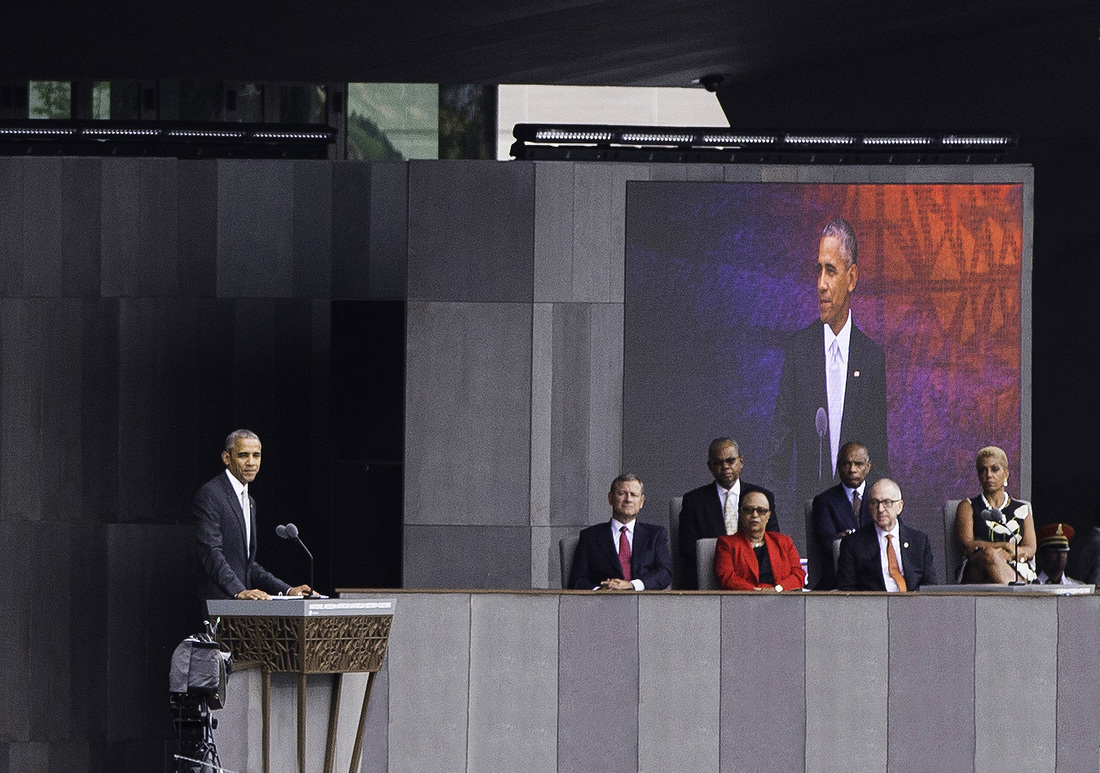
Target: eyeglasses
x,y
724,462
749,510
875,504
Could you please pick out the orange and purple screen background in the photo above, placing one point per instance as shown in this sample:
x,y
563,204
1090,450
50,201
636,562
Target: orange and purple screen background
x,y
718,275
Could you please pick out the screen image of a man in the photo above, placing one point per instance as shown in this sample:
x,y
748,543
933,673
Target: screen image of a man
x,y
833,384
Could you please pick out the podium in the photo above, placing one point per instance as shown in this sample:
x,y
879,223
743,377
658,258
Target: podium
x,y
307,636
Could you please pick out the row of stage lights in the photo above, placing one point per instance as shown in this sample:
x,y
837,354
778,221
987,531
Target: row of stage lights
x,y
179,139
634,143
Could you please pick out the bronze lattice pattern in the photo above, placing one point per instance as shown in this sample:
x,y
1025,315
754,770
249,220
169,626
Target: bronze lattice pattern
x,y
311,645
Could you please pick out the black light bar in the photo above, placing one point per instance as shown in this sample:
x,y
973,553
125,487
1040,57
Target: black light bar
x,y
580,142
164,139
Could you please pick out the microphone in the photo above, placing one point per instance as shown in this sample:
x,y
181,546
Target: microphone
x,y
997,515
821,424
993,514
290,531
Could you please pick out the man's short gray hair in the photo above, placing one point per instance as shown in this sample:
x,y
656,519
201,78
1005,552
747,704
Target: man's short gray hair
x,y
239,434
627,477
841,230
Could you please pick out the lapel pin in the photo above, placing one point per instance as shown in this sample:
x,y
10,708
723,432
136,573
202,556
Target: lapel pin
x,y
905,544
855,374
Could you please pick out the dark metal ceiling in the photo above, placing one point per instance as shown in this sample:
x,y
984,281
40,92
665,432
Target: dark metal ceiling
x,y
595,42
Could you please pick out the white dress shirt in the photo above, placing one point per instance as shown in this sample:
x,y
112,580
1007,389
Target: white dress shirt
x,y
241,490
836,381
724,495
629,528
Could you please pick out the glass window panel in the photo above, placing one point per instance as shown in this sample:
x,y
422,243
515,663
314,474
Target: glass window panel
x,y
125,100
393,121
245,101
467,121
101,100
50,99
200,101
302,104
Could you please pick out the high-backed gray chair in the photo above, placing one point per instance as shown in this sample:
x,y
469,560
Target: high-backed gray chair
x,y
674,506
704,563
567,546
815,553
952,551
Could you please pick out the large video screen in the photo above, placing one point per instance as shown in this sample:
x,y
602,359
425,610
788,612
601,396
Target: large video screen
x,y
724,320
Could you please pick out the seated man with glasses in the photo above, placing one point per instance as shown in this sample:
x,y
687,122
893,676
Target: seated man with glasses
x,y
885,555
753,558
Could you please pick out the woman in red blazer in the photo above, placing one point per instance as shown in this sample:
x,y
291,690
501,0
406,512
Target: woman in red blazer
x,y
753,558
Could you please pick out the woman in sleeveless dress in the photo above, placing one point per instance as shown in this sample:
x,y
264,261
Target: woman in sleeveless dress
x,y
997,532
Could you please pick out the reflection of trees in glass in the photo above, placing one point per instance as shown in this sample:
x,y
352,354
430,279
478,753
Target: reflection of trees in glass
x,y
101,100
367,142
467,121
50,99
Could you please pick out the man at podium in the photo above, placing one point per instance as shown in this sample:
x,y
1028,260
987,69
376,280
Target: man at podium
x,y
226,516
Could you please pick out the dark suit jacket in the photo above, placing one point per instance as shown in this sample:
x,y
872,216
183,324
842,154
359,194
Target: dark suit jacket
x,y
860,564
700,518
737,568
802,391
832,514
1084,556
597,558
227,566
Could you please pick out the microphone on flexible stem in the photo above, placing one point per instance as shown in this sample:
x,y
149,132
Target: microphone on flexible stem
x,y
290,531
821,424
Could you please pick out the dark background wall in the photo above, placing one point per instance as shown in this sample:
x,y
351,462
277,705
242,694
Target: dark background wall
x,y
147,308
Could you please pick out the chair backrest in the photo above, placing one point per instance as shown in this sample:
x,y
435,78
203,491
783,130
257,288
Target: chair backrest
x,y
704,563
674,506
952,550
567,546
815,553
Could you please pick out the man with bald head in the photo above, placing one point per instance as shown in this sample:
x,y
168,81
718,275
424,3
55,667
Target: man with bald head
x,y
885,555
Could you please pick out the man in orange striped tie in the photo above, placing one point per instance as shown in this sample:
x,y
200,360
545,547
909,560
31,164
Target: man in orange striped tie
x,y
885,555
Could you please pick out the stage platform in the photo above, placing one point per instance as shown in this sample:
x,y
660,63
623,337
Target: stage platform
x,y
538,681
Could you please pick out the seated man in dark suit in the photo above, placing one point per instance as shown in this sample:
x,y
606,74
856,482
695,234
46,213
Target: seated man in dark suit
x,y
623,554
711,510
1084,561
885,555
840,510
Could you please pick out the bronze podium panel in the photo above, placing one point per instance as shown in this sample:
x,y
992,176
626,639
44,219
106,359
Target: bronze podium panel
x,y
307,636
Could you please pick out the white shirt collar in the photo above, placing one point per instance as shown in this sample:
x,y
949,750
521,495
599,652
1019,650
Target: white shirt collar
x,y
238,487
616,525
894,532
844,339
735,488
860,488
